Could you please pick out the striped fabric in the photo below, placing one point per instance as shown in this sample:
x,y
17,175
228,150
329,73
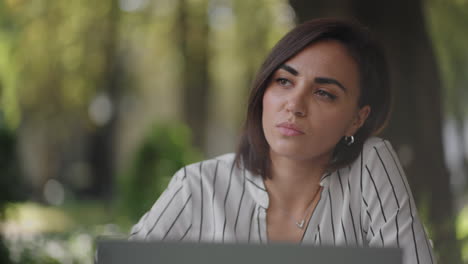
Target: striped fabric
x,y
368,203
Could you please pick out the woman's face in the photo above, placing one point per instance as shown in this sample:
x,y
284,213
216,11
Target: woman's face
x,y
311,102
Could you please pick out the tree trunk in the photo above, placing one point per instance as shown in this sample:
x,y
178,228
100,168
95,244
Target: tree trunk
x,y
416,123
102,140
192,26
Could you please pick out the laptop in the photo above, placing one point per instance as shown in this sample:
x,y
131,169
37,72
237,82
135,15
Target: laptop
x,y
140,252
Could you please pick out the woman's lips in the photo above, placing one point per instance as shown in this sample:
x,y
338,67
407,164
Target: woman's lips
x,y
289,129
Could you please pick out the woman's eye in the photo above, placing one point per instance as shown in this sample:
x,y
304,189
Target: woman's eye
x,y
283,81
325,94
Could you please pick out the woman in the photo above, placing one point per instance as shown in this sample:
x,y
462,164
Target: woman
x,y
307,169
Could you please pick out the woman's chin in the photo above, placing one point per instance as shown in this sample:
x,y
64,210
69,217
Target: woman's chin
x,y
292,153
299,153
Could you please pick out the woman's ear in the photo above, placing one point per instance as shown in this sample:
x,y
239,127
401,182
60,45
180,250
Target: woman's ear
x,y
359,120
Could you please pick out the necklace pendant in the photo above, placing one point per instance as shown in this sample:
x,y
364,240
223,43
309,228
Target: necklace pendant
x,y
300,225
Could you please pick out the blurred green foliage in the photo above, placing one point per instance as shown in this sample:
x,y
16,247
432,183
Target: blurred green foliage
x,y
60,47
165,149
447,22
77,246
65,234
462,232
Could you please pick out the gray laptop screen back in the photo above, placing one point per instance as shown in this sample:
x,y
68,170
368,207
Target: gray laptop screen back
x,y
124,252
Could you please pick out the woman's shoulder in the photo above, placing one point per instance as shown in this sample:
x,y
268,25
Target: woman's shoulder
x,y
372,142
225,160
209,169
376,153
378,158
375,145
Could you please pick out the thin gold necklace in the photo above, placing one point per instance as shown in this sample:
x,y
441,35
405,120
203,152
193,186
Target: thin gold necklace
x,y
300,224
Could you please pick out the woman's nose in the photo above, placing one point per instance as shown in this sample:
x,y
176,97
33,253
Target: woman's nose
x,y
296,105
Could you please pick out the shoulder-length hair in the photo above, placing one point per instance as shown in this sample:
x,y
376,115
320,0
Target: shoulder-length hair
x,y
253,149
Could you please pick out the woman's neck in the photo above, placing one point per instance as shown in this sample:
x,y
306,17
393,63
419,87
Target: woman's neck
x,y
294,183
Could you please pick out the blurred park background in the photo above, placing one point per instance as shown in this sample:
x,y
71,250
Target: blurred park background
x,y
102,101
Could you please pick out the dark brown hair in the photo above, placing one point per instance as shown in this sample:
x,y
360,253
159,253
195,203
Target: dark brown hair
x,y
253,150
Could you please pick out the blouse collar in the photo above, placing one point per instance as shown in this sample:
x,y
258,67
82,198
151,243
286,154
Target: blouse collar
x,y
256,187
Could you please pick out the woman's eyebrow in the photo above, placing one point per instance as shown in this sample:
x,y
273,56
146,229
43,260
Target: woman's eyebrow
x,y
319,80
289,69
326,80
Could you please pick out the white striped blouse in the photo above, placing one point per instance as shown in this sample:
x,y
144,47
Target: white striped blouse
x,y
368,203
